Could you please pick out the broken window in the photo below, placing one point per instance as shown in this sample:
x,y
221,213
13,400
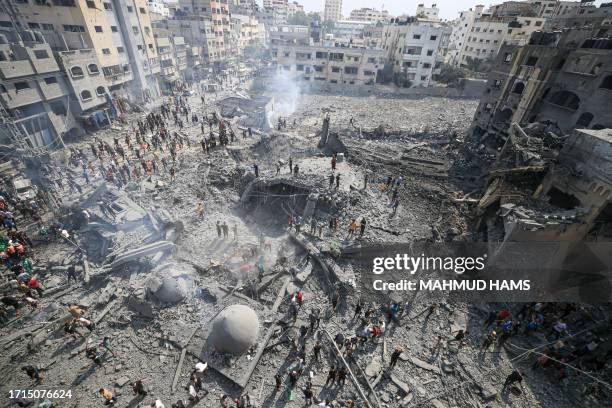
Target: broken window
x,y
100,90
606,83
584,120
85,95
560,199
19,86
531,61
518,88
50,80
508,57
76,72
41,54
565,99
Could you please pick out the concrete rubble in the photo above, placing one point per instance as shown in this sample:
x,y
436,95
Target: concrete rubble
x,y
171,289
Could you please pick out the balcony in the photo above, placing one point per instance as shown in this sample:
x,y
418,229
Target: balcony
x,y
14,99
168,71
16,69
52,91
411,57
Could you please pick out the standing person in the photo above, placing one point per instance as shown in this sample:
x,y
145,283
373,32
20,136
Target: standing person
x,y
256,170
395,356
308,395
395,205
225,230
362,226
341,376
352,228
331,376
219,231
72,273
278,380
138,389
333,162
331,180
488,341
290,164
317,350
337,181
33,373
365,181
200,210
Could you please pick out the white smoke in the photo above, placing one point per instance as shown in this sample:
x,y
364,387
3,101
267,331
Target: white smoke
x,y
287,94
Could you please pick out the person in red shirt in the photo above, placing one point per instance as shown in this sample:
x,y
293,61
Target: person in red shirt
x,y
34,284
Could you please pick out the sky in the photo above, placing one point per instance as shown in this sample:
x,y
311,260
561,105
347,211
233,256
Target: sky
x,y
449,9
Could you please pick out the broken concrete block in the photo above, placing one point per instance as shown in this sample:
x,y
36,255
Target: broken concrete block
x,y
488,393
374,367
141,307
424,365
400,384
437,403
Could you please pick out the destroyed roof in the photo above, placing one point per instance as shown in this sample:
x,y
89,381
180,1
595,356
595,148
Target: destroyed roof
x,y
588,153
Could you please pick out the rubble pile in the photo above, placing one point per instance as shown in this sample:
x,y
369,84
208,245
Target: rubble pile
x,y
221,269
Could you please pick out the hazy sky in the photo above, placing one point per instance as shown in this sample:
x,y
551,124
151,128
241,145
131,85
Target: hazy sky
x,y
448,8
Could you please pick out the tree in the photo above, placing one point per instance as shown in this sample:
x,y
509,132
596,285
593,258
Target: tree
x,y
299,18
401,79
450,75
479,65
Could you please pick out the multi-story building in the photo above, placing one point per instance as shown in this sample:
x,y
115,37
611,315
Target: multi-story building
x,y
461,26
277,11
600,17
118,32
551,8
328,64
495,27
333,10
369,14
350,29
293,7
563,76
34,95
416,48
289,35
429,13
247,31
158,9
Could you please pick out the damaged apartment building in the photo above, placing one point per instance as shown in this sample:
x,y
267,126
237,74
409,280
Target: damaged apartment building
x,y
103,49
544,124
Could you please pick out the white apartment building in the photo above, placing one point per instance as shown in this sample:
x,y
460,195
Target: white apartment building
x,y
461,26
279,10
350,29
488,34
333,10
294,7
417,48
333,65
369,14
289,35
430,13
159,8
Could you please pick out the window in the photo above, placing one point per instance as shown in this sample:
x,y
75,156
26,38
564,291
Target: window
x,y
47,27
507,57
427,65
538,23
584,120
74,28
76,72
19,86
350,70
318,68
51,80
135,29
100,90
139,46
368,73
416,37
98,29
85,95
130,9
565,99
150,46
423,78
114,29
335,69
142,10
518,88
120,50
430,52
433,38
106,51
93,69
33,25
607,82
299,67
108,6
531,61
497,83
527,22
41,54
91,4
371,60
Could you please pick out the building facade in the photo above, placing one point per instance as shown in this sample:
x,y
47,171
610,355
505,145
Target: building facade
x,y
416,48
369,14
334,65
429,13
333,10
461,26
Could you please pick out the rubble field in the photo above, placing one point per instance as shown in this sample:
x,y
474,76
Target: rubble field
x,y
170,288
